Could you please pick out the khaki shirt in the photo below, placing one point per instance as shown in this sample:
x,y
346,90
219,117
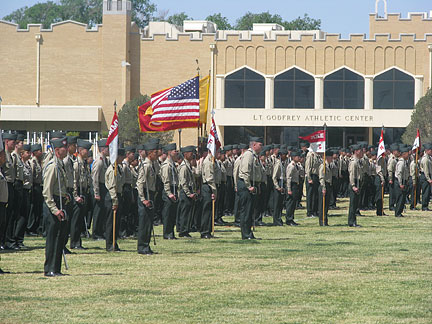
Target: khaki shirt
x,y
311,165
372,165
413,171
391,167
4,192
292,175
127,172
54,180
249,169
325,177
27,175
169,176
82,177
354,172
9,168
301,170
146,179
186,178
98,173
426,166
229,166
334,168
208,173
48,157
19,166
114,184
134,171
236,171
402,171
380,168
36,170
279,174
69,162
217,172
343,164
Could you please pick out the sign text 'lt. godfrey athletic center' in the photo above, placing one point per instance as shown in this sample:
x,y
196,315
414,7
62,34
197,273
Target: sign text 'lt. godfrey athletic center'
x,y
268,81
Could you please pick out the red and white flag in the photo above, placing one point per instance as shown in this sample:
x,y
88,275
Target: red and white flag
x,y
317,141
417,142
381,145
112,140
177,104
213,143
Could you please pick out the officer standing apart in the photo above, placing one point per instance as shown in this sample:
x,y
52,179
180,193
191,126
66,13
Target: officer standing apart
x,y
55,202
245,186
146,186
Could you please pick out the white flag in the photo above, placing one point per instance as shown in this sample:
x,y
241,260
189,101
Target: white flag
x,y
213,143
381,145
112,140
416,141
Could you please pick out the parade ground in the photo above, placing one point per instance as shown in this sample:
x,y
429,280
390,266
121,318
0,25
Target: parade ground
x,y
379,273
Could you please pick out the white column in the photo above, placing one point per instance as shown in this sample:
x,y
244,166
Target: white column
x,y
220,91
368,92
319,91
269,92
418,88
212,76
430,66
38,40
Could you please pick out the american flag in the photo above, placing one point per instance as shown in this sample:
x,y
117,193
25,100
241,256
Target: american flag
x,y
180,103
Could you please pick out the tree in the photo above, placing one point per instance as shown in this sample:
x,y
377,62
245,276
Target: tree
x,y
305,23
421,118
129,132
143,12
177,19
221,22
41,13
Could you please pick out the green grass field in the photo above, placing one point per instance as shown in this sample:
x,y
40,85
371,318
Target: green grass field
x,y
380,273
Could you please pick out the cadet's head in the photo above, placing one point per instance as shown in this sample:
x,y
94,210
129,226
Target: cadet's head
x,y
171,150
428,149
120,155
26,152
295,156
405,153
103,147
84,148
256,144
134,161
9,140
329,156
130,152
36,150
151,151
357,150
72,144
60,147
19,142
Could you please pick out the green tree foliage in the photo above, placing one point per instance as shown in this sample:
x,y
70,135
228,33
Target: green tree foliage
x,y
84,11
221,21
129,132
300,23
177,19
421,118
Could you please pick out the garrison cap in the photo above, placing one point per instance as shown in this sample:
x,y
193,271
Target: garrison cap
x,y
243,146
284,146
36,147
170,147
276,146
102,143
84,144
130,148
20,137
140,147
394,147
57,134
373,153
151,146
266,148
9,136
72,139
59,142
222,151
404,149
295,153
304,144
283,151
290,148
26,147
234,146
262,153
427,146
228,147
256,139
190,148
329,152
121,151
356,147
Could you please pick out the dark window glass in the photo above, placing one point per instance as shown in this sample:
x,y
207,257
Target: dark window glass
x,y
244,89
344,89
294,89
393,89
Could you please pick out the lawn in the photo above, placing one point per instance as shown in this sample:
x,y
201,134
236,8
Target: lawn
x,y
380,273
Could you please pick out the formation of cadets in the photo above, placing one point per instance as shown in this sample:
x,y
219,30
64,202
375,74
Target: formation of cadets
x,y
64,195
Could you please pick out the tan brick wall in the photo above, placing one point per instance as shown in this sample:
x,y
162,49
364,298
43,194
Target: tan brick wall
x,y
395,25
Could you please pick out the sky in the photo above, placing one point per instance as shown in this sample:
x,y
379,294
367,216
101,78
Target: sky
x,y
337,16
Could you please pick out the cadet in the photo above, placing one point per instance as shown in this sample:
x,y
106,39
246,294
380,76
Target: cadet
x,y
187,191
279,184
391,173
113,200
246,186
208,193
243,148
354,185
50,153
292,183
401,181
146,187
3,191
381,171
169,178
81,187
127,221
414,183
98,171
311,176
35,225
55,198
229,167
325,179
426,176
9,171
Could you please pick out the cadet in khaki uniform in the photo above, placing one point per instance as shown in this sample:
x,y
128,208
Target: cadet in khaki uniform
x,y
113,200
414,182
34,225
311,170
169,178
9,171
292,183
127,222
401,181
426,176
146,187
98,171
81,186
381,171
248,167
279,184
354,185
187,191
391,173
50,153
229,167
208,193
236,212
55,202
3,190
325,187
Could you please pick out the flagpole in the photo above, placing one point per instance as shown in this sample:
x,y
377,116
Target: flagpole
x,y
323,207
382,184
115,177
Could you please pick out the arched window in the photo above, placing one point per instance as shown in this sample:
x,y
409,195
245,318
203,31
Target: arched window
x,y
244,89
393,89
294,89
344,89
